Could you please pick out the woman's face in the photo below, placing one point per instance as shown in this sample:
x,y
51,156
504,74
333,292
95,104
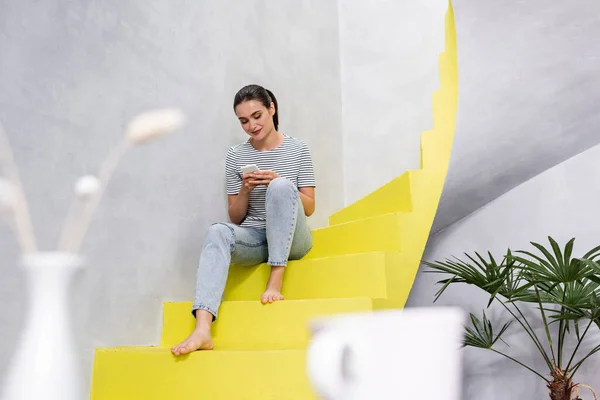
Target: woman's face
x,y
256,119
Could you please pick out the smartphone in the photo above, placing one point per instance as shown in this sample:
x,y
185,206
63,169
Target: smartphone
x,y
246,169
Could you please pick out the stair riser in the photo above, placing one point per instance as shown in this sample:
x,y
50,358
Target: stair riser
x,y
358,275
394,196
201,375
381,233
254,326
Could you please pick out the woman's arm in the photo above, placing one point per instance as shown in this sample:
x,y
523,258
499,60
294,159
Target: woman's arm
x,y
306,181
307,195
238,203
238,206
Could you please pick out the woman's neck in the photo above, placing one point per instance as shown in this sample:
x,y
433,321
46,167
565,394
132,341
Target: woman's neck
x,y
270,142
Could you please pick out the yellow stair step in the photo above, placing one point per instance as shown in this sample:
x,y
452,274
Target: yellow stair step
x,y
359,255
434,153
378,233
153,373
353,275
395,196
250,325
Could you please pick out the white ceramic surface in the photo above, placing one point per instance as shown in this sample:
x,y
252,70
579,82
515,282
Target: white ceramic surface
x,y
403,354
45,363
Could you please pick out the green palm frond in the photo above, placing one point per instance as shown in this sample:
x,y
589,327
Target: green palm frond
x,y
594,267
592,254
489,275
556,266
581,303
481,333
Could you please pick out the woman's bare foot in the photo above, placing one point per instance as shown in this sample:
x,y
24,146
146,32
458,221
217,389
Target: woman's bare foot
x,y
271,295
198,340
273,292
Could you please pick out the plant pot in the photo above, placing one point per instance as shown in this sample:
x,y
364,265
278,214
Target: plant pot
x,y
45,363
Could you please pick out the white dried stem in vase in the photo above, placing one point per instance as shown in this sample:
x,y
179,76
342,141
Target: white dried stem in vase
x,y
8,199
87,186
8,196
75,229
154,124
20,209
89,189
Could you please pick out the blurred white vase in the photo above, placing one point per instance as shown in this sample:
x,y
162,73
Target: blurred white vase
x,y
413,353
45,363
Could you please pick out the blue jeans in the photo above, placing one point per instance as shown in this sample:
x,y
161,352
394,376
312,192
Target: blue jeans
x,y
285,237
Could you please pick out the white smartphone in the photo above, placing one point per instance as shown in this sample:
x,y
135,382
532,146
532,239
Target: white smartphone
x,y
246,169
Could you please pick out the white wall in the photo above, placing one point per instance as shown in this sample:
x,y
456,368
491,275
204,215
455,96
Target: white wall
x,y
563,203
528,95
389,71
72,74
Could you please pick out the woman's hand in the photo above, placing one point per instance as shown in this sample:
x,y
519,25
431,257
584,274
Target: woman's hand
x,y
247,185
260,178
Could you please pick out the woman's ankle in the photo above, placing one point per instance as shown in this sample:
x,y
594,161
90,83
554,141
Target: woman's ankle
x,y
275,281
203,321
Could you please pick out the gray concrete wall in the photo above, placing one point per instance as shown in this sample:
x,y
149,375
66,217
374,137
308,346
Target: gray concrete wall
x,y
528,94
562,202
389,70
73,73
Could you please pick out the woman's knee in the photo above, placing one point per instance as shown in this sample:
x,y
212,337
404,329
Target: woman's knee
x,y
220,233
280,185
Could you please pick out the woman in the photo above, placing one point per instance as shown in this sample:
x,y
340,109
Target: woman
x,y
267,208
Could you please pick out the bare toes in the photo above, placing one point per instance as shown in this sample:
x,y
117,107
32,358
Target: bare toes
x,y
196,341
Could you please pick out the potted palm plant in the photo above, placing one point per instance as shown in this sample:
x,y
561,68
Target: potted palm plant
x,y
564,289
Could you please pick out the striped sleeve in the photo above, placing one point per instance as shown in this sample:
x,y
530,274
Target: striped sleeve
x,y
306,175
232,176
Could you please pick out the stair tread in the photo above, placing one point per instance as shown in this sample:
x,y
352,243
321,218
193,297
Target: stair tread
x,y
164,350
231,304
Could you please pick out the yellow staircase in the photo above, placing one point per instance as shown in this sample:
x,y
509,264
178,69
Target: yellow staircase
x,y
366,259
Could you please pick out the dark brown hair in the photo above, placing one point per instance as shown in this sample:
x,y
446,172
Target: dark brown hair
x,y
259,93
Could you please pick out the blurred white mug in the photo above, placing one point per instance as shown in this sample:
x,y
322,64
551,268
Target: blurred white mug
x,y
412,353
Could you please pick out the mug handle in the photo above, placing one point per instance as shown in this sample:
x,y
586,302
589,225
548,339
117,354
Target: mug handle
x,y
330,364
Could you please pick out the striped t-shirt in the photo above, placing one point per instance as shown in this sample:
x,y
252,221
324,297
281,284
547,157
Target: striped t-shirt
x,y
290,160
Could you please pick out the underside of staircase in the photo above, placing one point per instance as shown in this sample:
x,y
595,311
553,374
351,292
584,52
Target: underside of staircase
x,y
366,259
